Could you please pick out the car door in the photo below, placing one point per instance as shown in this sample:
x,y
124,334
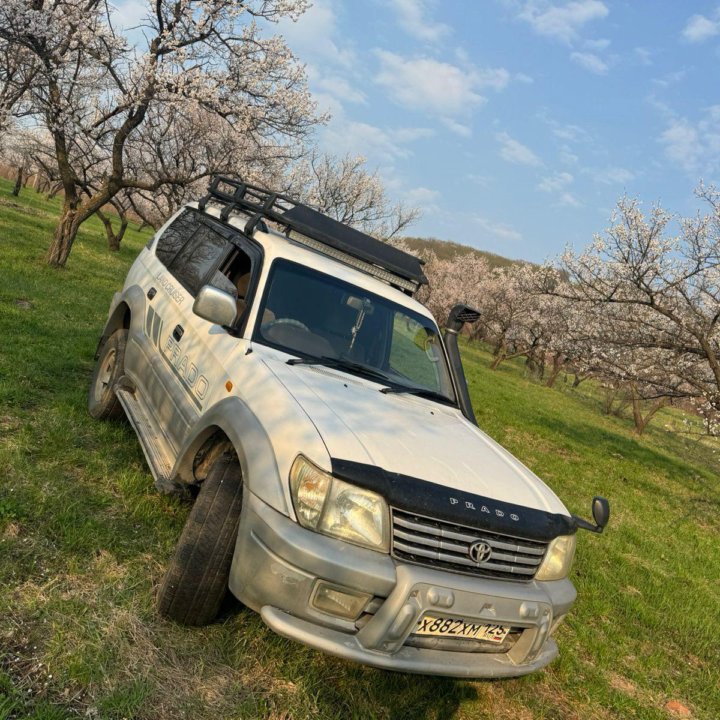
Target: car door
x,y
192,353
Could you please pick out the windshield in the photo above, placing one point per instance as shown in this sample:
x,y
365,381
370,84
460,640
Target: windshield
x,y
316,316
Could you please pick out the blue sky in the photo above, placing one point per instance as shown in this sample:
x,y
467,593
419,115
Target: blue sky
x,y
517,124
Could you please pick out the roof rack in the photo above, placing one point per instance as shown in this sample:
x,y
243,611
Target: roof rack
x,y
401,269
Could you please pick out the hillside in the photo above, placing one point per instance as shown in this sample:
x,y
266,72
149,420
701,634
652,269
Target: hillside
x,y
446,250
84,541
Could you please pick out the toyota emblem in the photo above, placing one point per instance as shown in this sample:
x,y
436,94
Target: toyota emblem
x,y
479,552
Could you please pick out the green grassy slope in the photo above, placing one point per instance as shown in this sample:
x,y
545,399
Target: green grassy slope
x,y
84,540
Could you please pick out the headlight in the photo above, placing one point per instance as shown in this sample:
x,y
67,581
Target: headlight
x,y
558,559
333,507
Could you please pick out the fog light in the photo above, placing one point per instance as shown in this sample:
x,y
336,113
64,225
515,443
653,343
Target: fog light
x,y
339,601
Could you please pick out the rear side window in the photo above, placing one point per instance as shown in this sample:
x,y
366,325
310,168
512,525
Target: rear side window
x,y
192,250
199,258
175,236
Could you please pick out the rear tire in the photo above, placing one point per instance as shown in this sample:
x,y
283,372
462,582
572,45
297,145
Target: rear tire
x,y
196,581
102,400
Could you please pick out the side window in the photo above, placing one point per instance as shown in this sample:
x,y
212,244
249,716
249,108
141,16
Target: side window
x,y
415,352
199,257
175,236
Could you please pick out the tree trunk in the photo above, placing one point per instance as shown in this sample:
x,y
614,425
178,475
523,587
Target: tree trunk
x,y
497,360
641,422
54,190
18,181
114,238
65,234
559,361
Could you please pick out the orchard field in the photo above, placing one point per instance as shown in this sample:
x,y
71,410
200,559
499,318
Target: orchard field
x,y
84,540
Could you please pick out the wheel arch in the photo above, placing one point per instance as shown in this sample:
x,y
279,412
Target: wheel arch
x,y
119,319
232,419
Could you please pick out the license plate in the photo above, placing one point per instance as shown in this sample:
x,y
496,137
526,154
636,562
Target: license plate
x,y
452,627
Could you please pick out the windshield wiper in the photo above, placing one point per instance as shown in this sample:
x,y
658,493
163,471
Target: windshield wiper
x,y
420,392
341,364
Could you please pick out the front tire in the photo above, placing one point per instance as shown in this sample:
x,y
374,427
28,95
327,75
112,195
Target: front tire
x,y
102,400
196,580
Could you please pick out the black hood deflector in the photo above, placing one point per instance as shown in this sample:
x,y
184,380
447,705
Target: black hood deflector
x,y
444,503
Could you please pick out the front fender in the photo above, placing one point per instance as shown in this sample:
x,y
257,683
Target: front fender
x,y
266,446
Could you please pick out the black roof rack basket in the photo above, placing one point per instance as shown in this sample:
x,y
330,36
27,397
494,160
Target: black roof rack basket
x,y
260,203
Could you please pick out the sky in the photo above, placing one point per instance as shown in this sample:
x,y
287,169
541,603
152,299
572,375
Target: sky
x,y
516,125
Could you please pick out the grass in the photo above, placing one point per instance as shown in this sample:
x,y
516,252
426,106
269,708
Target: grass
x,y
84,539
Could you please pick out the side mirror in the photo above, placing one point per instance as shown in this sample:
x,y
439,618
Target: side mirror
x,y
215,306
600,511
601,515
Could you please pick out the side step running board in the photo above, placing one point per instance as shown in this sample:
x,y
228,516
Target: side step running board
x,y
158,452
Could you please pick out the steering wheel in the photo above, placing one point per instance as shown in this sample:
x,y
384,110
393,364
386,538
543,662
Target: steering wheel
x,y
287,321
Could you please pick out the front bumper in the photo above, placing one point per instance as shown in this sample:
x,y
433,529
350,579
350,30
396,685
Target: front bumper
x,y
277,564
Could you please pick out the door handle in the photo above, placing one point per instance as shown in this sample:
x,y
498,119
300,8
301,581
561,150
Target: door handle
x,y
151,293
178,332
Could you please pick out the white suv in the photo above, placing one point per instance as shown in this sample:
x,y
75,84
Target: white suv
x,y
274,362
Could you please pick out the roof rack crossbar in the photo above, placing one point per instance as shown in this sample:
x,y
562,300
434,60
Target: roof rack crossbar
x,y
294,216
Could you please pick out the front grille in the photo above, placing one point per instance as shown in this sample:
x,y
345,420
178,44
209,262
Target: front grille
x,y
437,543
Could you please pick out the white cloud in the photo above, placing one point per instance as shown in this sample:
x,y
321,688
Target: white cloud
x,y
483,181
129,14
429,85
567,156
495,78
457,128
383,145
414,18
556,182
515,152
694,146
683,144
496,229
311,35
612,175
567,132
562,22
423,198
599,44
699,28
340,88
670,79
411,134
590,62
569,199
644,56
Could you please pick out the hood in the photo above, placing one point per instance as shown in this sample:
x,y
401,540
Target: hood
x,y
410,436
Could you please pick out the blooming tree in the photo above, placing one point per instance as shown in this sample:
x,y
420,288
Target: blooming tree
x,y
656,301
343,188
18,69
95,90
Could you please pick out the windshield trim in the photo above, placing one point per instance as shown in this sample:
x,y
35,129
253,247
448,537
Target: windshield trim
x,y
421,317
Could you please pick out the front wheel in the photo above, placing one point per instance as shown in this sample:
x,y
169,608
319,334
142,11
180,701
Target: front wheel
x,y
102,400
196,581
